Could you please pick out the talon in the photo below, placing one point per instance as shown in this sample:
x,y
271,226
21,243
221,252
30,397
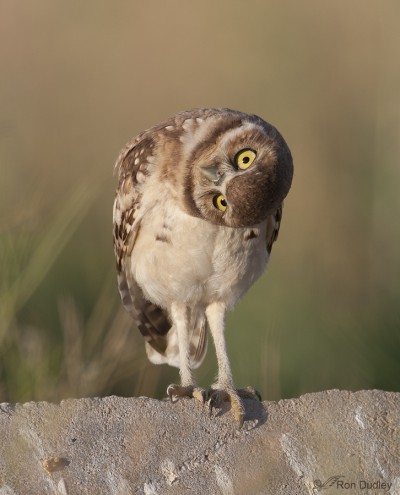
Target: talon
x,y
211,406
217,397
186,391
170,393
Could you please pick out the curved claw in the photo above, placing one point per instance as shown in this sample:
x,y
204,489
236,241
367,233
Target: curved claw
x,y
214,402
211,406
218,397
170,393
190,391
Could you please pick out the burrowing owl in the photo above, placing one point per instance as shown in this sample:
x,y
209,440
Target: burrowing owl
x,y
197,209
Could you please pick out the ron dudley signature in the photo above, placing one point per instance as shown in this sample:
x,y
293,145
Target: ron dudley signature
x,y
340,483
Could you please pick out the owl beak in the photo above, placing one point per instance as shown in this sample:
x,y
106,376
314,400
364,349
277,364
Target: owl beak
x,y
211,173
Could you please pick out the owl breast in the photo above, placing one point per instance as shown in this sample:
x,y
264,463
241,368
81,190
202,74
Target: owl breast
x,y
182,258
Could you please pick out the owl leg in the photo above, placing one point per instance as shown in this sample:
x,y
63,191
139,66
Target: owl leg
x,y
224,388
188,387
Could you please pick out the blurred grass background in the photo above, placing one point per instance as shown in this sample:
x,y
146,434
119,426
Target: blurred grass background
x,y
78,79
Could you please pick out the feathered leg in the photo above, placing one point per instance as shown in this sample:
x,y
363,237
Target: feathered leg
x,y
188,387
224,389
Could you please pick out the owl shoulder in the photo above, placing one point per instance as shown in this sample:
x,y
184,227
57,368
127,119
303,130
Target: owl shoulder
x,y
273,226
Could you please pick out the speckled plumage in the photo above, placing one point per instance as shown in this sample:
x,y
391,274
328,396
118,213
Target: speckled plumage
x,y
193,231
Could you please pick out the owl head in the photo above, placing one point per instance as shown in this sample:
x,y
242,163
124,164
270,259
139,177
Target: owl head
x,y
239,169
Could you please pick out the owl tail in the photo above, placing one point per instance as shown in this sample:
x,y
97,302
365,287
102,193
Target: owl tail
x,y
166,350
161,337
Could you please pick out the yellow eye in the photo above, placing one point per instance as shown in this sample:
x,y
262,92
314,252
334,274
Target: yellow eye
x,y
245,158
219,202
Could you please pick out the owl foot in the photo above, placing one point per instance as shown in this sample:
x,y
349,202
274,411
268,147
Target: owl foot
x,y
191,391
249,393
218,397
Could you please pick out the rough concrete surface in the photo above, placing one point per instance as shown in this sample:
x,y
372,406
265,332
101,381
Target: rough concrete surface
x,y
328,442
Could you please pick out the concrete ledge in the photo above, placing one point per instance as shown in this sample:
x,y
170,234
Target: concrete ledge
x,y
329,442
